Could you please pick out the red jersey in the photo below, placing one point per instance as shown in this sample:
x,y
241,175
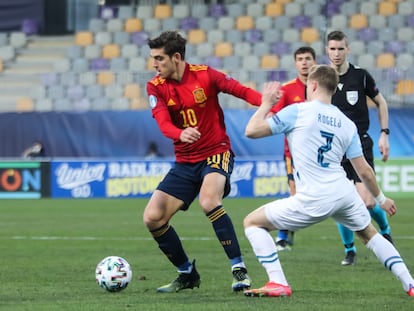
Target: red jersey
x,y
193,102
293,93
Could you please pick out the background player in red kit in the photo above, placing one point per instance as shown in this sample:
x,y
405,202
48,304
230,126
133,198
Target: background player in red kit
x,y
184,103
294,91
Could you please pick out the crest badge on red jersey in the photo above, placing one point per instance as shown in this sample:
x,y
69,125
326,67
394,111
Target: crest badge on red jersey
x,y
199,96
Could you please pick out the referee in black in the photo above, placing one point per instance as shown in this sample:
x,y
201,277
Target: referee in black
x,y
355,85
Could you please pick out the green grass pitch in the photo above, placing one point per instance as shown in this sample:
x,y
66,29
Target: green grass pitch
x,y
49,250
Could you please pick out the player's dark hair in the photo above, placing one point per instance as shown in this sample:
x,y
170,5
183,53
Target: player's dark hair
x,y
337,35
171,41
303,50
326,76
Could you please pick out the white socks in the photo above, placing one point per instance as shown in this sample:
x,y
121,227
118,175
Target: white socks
x,y
265,249
388,255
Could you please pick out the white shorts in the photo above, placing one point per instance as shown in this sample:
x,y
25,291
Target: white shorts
x,y
293,214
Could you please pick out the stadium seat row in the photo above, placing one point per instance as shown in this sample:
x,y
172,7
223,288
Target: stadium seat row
x,y
83,104
265,8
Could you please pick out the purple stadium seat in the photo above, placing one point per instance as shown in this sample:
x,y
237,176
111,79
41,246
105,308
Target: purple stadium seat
x,y
393,74
50,78
30,27
217,10
98,64
189,23
75,92
410,20
214,61
253,36
332,8
301,21
277,75
280,48
367,34
139,38
322,59
394,46
108,12
82,104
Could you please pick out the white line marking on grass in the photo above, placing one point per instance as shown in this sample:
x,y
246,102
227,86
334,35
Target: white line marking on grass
x,y
93,238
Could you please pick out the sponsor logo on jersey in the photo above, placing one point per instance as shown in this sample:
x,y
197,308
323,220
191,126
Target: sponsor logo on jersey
x,y
171,102
297,99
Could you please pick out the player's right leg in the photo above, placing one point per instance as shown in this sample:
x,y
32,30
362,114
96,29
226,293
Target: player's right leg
x,y
175,192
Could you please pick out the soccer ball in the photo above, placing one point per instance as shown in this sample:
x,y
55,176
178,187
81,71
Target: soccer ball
x,y
113,273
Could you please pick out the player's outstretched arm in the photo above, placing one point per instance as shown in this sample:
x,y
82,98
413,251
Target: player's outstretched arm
x,y
257,125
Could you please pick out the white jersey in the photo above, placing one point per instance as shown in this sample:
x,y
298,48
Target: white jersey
x,y
318,135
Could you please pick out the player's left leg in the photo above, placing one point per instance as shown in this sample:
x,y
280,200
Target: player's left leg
x,y
215,186
388,255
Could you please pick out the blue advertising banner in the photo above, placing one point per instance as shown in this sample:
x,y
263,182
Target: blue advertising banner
x,y
138,179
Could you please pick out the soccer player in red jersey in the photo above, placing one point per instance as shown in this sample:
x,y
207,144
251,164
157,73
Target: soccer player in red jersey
x,y
294,92
184,102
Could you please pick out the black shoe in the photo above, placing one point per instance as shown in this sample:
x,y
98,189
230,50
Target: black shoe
x,y
349,259
283,246
388,237
241,280
183,281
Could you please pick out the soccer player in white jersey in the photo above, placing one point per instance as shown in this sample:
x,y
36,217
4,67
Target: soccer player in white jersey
x,y
319,134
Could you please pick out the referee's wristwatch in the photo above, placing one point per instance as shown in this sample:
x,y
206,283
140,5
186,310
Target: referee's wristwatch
x,y
386,131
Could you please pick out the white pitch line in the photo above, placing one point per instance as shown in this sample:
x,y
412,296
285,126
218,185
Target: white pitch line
x,y
92,238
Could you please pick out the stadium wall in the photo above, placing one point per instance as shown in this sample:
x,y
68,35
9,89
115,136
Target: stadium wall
x,y
138,178
102,155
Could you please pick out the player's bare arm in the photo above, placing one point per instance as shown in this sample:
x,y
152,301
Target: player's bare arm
x,y
257,125
383,143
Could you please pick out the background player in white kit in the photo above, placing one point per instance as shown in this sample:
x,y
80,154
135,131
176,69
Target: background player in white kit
x,y
319,134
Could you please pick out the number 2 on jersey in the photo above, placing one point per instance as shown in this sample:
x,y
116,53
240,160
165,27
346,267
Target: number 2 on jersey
x,y
325,148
